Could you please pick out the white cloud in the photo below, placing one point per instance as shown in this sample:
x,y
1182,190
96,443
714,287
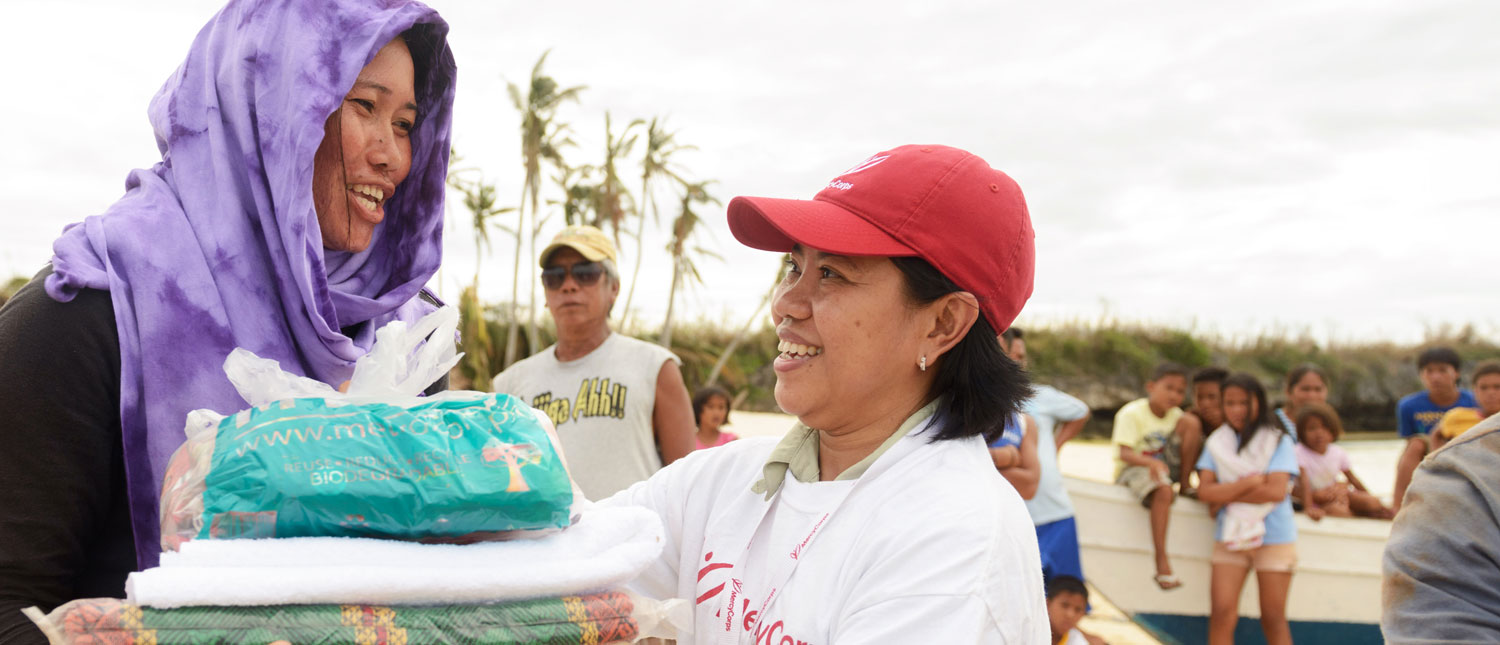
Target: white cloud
x,y
1325,165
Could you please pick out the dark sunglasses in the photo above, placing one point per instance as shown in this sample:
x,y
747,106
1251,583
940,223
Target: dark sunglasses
x,y
584,273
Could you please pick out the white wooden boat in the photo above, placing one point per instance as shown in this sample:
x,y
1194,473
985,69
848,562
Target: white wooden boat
x,y
1335,594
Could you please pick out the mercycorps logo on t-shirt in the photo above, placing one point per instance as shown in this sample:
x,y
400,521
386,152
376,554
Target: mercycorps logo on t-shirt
x,y
714,580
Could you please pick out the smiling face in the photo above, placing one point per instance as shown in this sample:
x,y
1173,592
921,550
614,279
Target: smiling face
x,y
850,341
1308,389
366,150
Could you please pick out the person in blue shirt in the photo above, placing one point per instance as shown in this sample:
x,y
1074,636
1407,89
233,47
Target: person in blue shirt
x,y
1057,417
1418,412
1244,476
1014,454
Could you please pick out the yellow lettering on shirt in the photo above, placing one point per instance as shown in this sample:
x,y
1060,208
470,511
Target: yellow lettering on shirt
x,y
597,397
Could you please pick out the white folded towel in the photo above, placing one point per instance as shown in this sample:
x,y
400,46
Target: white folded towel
x,y
605,547
1244,522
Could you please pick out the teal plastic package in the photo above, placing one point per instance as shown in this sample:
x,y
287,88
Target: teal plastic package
x,y
439,469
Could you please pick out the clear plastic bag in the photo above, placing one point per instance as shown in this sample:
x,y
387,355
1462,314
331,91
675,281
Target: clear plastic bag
x,y
607,617
376,460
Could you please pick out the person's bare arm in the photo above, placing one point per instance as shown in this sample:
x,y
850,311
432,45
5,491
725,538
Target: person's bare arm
x,y
1069,430
1212,492
1027,472
1354,481
1271,489
672,415
1158,467
1304,493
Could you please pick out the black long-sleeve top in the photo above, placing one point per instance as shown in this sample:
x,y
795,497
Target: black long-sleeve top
x,y
64,517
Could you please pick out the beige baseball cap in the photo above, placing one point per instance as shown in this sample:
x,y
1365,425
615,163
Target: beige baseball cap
x,y
588,241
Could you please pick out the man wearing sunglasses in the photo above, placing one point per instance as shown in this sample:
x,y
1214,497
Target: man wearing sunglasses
x,y
620,405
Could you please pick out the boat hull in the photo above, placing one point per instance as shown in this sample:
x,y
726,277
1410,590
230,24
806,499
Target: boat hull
x,y
1335,594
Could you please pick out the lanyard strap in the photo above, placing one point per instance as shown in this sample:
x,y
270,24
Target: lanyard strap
x,y
785,564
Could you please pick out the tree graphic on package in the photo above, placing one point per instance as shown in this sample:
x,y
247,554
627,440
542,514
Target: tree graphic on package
x,y
513,455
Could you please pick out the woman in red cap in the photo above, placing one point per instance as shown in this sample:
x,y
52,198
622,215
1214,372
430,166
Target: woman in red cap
x,y
879,517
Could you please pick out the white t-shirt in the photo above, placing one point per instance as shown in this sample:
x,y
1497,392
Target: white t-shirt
x,y
928,546
1051,407
602,406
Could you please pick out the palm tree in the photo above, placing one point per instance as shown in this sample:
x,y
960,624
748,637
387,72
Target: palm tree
x,y
479,199
542,139
612,202
578,193
655,164
683,267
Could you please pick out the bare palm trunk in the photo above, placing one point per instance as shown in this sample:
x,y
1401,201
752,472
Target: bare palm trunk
x,y
512,333
666,329
532,339
734,343
640,249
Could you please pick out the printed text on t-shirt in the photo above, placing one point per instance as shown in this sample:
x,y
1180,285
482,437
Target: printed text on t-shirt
x,y
597,397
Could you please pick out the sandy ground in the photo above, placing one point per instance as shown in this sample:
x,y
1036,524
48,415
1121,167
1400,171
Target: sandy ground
x,y
1373,462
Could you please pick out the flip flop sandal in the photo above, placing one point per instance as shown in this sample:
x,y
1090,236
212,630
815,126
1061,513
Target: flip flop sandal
x,y
1167,581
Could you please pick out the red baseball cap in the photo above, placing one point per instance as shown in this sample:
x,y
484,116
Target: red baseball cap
x,y
941,204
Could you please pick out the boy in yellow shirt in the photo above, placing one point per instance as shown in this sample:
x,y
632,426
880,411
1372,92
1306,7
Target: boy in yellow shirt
x,y
1148,459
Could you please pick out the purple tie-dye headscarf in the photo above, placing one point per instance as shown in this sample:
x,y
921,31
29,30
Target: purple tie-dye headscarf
x,y
217,246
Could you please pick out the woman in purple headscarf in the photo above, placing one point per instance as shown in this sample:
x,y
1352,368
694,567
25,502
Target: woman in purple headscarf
x,y
296,208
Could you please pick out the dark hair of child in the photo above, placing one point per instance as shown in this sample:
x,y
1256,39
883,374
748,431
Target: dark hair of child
x,y
1168,369
1485,368
1323,412
1210,374
1438,355
1295,376
702,397
1066,584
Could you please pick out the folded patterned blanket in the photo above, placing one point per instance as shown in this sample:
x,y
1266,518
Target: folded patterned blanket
x,y
567,620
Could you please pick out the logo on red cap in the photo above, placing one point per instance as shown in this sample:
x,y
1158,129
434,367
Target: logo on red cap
x,y
866,164
839,184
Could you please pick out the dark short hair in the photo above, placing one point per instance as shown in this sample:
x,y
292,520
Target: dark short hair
x,y
1210,374
1439,355
1324,413
1168,369
978,386
1485,368
1010,335
703,395
1061,583
1295,376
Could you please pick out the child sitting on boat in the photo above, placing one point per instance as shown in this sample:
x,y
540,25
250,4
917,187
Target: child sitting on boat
x,y
1145,431
1245,474
1327,485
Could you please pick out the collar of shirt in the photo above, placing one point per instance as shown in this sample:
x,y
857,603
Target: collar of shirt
x,y
798,452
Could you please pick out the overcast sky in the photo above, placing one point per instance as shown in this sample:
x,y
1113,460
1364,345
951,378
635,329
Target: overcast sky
x,y
1327,166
